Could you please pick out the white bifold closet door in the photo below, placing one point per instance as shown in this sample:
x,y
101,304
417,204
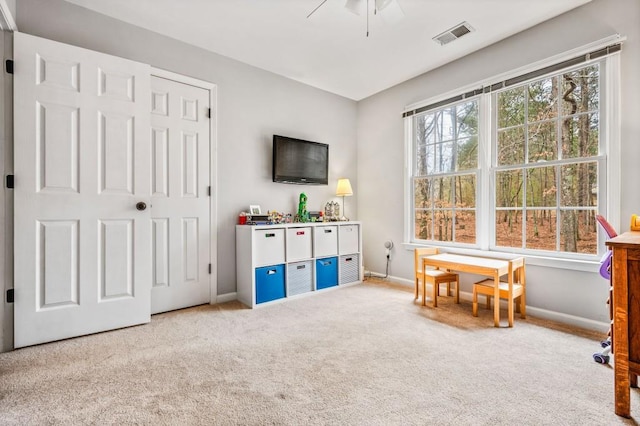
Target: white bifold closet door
x,y
180,179
82,166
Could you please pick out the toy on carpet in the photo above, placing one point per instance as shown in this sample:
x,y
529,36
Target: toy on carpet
x,y
605,271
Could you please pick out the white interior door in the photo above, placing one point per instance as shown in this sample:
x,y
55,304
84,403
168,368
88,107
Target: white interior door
x,y
180,182
82,249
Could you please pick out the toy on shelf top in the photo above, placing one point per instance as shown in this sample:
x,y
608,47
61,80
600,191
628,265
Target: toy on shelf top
x,y
332,211
278,217
271,218
303,214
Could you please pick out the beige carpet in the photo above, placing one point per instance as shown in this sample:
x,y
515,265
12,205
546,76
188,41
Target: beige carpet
x,y
362,355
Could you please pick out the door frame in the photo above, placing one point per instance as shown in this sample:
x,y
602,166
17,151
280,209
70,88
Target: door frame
x,y
213,167
6,198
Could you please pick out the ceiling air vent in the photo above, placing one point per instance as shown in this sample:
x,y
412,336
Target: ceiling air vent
x,y
453,33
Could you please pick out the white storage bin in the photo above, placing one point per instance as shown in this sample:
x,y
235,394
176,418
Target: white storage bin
x,y
269,247
349,266
299,242
299,277
325,241
348,239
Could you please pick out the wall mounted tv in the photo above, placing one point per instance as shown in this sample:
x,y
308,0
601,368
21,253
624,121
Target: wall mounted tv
x,y
299,161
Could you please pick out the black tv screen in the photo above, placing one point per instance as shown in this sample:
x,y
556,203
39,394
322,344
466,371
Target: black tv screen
x,y
300,161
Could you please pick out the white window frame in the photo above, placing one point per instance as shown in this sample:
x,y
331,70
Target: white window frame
x,y
467,172
609,178
600,159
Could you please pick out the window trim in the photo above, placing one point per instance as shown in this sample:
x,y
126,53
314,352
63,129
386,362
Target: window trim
x,y
601,160
466,172
514,73
609,177
583,265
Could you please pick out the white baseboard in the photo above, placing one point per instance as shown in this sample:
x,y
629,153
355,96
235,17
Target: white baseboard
x,y
227,297
585,323
397,280
560,317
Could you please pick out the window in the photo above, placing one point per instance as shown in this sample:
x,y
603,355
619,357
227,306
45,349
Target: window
x,y
446,165
547,161
517,167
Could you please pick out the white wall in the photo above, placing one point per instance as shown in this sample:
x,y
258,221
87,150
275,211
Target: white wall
x,y
381,145
252,105
11,5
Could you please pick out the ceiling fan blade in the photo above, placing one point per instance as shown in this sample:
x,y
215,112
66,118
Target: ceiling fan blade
x,y
392,13
317,7
381,4
353,6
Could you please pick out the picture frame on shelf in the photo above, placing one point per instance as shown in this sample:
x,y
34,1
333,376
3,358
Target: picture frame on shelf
x,y
255,209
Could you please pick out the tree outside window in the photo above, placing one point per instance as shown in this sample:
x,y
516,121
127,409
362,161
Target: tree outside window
x,y
546,163
544,175
445,182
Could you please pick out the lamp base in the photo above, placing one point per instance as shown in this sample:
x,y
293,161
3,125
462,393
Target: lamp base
x,y
343,218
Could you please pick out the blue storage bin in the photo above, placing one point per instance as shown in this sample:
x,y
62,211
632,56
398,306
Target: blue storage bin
x,y
269,283
326,272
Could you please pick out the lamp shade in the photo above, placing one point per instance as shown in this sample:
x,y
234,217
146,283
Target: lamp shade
x,y
344,188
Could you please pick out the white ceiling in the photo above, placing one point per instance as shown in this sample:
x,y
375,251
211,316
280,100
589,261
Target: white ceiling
x,y
330,49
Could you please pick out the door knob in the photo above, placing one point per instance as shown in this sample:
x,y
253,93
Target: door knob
x,y
141,206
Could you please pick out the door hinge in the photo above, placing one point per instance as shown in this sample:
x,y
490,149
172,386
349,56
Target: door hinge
x,y
10,295
208,112
209,269
8,65
10,182
209,191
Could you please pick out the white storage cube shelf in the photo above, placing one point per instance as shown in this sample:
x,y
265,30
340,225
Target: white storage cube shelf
x,y
295,247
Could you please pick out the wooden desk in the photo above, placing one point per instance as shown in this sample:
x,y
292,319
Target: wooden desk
x,y
625,280
493,268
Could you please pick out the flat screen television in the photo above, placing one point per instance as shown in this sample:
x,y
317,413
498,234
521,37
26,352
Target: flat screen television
x,y
299,161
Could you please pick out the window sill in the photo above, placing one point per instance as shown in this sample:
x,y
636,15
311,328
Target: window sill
x,y
547,262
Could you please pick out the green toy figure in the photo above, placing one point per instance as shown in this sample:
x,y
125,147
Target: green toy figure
x,y
303,214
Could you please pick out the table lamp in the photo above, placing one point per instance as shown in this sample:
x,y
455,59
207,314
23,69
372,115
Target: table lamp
x,y
344,190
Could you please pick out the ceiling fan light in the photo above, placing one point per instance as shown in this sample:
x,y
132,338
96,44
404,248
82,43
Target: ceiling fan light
x,y
352,6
